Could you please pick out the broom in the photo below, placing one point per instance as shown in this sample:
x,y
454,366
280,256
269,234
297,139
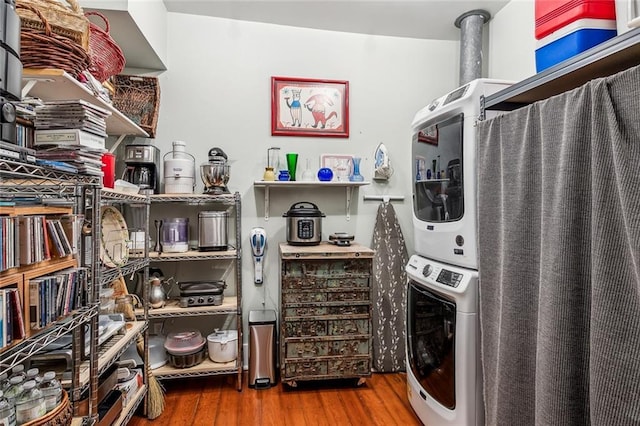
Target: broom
x,y
155,400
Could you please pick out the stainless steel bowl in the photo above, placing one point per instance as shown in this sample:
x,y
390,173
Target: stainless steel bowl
x,y
214,175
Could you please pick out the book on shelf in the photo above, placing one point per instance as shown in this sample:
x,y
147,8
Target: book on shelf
x,y
62,137
11,316
33,239
9,243
66,246
12,327
25,230
54,240
3,324
57,295
17,312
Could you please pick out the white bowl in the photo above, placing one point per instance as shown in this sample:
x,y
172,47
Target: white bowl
x,y
223,345
124,186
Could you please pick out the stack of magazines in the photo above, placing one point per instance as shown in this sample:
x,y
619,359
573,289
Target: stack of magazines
x,y
70,135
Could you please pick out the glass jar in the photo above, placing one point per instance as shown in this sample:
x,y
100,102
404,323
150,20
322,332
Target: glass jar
x,y
51,390
32,374
15,389
18,371
30,403
4,381
7,412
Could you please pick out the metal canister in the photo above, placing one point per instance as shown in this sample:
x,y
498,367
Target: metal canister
x,y
213,230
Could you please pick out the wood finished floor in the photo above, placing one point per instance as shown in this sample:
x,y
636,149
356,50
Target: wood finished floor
x,y
382,400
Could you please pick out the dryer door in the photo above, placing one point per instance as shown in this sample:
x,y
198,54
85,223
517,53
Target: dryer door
x,y
431,323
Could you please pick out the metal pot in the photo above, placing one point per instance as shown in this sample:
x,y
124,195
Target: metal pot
x,y
304,224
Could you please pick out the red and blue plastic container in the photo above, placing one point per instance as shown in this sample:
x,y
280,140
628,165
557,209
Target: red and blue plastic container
x,y
566,28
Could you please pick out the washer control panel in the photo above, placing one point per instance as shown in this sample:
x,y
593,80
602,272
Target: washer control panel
x,y
442,275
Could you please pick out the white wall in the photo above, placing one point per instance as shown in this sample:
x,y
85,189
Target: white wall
x,y
512,42
216,92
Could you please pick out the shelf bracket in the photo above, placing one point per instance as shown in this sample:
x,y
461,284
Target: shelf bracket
x,y
349,190
118,142
27,87
266,203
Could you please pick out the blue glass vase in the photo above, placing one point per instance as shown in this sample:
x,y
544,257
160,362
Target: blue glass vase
x,y
284,175
325,174
356,176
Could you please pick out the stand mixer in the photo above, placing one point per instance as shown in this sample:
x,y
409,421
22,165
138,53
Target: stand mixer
x,y
215,173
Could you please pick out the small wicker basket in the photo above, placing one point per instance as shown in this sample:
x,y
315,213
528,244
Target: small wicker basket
x,y
44,49
65,17
139,99
59,416
106,56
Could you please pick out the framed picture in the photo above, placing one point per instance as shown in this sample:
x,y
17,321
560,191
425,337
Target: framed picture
x,y
340,164
307,107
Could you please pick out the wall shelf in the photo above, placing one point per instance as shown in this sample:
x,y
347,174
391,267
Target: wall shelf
x,y
612,56
55,84
267,185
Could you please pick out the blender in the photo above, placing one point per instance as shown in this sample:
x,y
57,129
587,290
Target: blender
x,y
215,173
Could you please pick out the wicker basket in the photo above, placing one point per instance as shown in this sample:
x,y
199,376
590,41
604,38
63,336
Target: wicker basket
x,y
43,49
65,18
106,56
59,416
139,99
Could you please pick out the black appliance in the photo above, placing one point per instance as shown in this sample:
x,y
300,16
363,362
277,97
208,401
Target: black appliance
x,y
143,167
10,69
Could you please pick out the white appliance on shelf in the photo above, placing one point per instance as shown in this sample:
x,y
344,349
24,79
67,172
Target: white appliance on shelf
x,y
444,382
443,149
179,170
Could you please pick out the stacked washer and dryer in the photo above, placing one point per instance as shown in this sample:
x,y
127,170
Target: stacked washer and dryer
x,y
444,376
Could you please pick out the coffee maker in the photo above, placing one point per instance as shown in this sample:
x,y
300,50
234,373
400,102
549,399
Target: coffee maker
x,y
143,167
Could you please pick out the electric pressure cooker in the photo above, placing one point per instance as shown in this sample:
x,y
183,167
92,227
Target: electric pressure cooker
x,y
304,224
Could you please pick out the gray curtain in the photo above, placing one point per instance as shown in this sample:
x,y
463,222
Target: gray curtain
x,y
559,258
389,292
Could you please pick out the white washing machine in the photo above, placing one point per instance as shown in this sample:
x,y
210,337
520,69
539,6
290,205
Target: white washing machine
x,y
444,376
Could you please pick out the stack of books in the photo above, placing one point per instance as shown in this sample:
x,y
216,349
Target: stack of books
x,y
70,135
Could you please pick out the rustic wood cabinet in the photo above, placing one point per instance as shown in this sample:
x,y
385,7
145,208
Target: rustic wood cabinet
x,y
325,315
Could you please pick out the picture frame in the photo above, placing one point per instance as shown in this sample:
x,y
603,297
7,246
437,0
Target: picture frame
x,y
340,164
309,107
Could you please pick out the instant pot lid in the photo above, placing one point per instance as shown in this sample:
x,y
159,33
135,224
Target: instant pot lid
x,y
303,209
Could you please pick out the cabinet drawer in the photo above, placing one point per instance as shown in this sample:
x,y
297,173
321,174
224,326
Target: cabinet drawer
x,y
305,311
337,327
305,368
307,349
348,327
318,283
337,268
318,348
348,296
349,347
346,367
306,296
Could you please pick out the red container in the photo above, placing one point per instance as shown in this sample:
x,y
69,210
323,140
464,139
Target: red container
x,y
108,170
552,15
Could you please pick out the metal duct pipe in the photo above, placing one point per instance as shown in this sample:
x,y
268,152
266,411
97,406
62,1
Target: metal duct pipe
x,y
470,24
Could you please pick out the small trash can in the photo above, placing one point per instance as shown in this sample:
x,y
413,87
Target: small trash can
x,y
262,349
